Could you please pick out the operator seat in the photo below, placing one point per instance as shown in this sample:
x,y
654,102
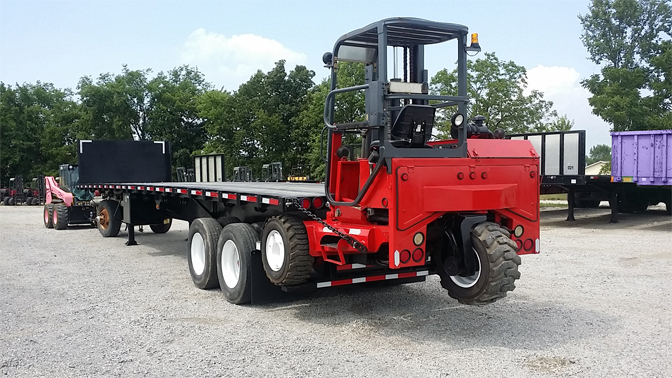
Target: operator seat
x,y
413,126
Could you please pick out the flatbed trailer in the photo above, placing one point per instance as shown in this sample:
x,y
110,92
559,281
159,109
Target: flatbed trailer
x,y
641,161
407,208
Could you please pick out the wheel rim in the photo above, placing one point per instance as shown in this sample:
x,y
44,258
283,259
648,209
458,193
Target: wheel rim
x,y
230,263
197,254
469,281
55,217
275,250
46,215
104,219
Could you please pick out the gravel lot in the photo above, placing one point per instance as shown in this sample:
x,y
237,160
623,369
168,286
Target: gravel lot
x,y
596,302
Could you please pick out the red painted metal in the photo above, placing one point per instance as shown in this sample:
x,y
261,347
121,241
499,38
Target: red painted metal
x,y
498,177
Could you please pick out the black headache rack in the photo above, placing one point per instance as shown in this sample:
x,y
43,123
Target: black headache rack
x,y
117,161
562,156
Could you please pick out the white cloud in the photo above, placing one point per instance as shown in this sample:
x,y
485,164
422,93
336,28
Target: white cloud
x,y
230,61
562,86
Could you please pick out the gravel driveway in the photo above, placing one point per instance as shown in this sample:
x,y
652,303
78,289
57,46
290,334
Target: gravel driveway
x,y
596,302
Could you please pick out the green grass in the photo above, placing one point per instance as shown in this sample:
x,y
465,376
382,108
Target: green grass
x,y
552,205
554,197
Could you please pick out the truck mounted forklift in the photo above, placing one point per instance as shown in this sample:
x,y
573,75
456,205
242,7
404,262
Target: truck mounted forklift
x,y
408,206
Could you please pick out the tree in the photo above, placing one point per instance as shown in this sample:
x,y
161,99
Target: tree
x,y
115,106
259,123
172,113
497,91
631,40
349,107
562,123
39,129
599,152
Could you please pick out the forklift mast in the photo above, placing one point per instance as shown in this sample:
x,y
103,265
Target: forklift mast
x,y
400,113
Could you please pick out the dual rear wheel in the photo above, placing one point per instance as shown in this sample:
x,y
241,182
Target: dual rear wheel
x,y
223,256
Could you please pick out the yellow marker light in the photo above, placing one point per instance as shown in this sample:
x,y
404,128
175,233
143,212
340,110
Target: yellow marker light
x,y
474,38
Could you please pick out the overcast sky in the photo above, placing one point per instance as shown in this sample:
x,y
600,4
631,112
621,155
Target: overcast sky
x,y
61,41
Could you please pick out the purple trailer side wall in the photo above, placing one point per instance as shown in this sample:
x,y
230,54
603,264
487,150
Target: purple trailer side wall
x,y
643,157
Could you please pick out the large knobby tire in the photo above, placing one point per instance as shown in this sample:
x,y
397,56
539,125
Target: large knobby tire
x,y
498,261
284,250
162,228
203,236
48,214
5,201
109,223
11,201
61,217
234,269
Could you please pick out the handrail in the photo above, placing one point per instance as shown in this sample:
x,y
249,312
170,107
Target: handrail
x,y
330,96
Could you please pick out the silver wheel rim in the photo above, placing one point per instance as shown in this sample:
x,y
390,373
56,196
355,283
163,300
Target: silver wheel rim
x,y
230,263
275,251
197,254
468,281
46,215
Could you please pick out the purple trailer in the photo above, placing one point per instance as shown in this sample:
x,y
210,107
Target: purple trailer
x,y
641,169
642,157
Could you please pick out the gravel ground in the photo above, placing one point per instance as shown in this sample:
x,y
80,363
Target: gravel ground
x,y
596,302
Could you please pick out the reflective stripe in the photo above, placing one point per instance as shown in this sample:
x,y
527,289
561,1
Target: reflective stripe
x,y
357,280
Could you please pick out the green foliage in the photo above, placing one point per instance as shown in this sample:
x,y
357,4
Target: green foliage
x,y
497,90
172,112
115,106
631,39
599,152
260,123
39,129
562,123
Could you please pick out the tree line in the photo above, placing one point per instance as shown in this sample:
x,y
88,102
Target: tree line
x,y
274,116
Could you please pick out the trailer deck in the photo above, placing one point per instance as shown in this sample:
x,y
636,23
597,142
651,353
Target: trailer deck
x,y
264,192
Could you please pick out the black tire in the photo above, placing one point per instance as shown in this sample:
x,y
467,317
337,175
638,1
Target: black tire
x,y
499,263
203,232
5,201
162,228
225,221
109,222
244,240
297,264
61,217
11,201
587,204
641,205
48,216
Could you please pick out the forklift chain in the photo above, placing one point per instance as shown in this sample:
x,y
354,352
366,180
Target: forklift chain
x,y
349,239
